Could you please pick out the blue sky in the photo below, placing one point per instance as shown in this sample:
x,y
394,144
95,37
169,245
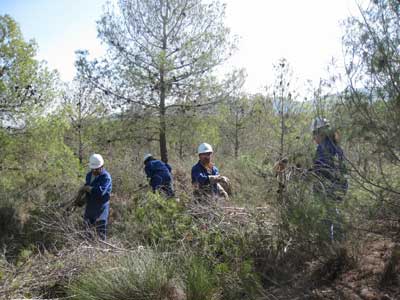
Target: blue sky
x,y
306,32
59,28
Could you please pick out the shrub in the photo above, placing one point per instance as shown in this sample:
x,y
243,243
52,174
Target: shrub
x,y
137,275
162,222
200,280
10,228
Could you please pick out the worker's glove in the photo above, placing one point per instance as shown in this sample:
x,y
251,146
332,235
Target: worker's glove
x,y
225,179
214,178
86,188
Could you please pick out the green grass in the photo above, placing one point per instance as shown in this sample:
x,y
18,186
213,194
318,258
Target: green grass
x,y
138,275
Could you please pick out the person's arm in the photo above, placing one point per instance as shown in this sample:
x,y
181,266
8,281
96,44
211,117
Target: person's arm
x,y
147,170
215,177
87,179
199,177
323,163
322,159
102,187
86,188
202,178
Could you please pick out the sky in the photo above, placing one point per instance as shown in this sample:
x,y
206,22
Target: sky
x,y
307,33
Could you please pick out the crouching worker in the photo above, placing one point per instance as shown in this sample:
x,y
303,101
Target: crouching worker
x,y
206,180
159,174
97,188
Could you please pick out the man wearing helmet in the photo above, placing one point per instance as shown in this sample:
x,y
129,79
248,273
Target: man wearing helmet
x,y
329,161
329,167
159,174
97,187
206,179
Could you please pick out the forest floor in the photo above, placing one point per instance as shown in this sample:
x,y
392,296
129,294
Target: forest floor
x,y
367,270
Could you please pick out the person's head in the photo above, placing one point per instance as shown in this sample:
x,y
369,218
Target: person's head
x,y
96,163
205,152
319,129
147,157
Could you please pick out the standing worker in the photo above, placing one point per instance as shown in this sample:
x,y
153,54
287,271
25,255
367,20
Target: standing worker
x,y
97,187
159,174
330,170
206,179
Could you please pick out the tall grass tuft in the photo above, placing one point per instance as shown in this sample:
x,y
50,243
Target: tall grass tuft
x,y
143,275
200,280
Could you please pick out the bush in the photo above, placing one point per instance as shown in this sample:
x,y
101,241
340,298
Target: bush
x,y
162,222
200,280
137,275
10,228
238,280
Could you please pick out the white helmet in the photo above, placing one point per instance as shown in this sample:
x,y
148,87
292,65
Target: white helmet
x,y
318,123
96,161
146,156
204,148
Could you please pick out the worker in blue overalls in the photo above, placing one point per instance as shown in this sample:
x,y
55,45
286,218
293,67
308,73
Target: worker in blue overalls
x,y
98,186
159,175
206,180
329,168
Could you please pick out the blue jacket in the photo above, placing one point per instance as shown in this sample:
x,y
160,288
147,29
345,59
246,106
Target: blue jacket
x,y
200,176
158,172
329,163
98,205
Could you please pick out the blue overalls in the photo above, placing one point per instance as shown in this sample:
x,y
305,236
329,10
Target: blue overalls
x,y
200,180
332,185
160,176
98,201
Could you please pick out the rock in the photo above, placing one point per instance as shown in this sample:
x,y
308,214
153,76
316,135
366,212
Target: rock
x,y
368,294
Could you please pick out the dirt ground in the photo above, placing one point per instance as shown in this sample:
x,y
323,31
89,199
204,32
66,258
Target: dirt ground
x,y
369,271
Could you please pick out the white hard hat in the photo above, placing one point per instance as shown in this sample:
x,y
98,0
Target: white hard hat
x,y
146,156
96,161
318,123
204,148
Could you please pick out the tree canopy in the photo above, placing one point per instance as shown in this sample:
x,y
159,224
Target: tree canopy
x,y
24,82
161,53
